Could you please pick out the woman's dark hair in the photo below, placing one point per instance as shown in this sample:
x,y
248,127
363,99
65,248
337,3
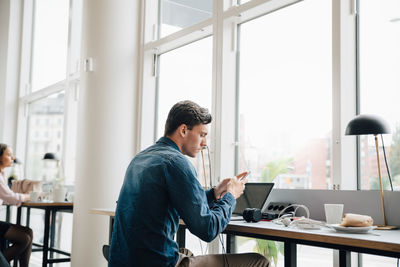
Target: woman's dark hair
x,y
3,148
186,112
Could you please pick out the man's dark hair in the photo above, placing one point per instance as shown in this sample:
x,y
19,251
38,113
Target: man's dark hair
x,y
186,112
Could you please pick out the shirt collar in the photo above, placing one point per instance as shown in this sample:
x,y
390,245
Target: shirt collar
x,y
168,142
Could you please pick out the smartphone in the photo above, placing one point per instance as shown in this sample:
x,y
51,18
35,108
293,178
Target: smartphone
x,y
244,176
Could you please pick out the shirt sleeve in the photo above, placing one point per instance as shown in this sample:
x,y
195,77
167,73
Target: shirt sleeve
x,y
9,197
192,202
210,197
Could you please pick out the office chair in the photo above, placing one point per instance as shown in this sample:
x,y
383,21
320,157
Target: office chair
x,y
106,251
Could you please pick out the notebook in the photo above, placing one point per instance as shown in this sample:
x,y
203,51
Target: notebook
x,y
254,196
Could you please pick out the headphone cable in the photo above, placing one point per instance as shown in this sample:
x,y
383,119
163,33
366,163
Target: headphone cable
x,y
223,251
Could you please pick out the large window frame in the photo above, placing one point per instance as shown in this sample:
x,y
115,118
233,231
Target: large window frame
x,y
69,84
223,27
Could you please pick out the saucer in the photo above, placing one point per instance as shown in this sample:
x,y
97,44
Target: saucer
x,y
353,230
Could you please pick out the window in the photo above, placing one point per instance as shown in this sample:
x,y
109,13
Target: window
x,y
379,87
177,14
49,63
48,94
379,31
46,109
53,76
285,77
185,74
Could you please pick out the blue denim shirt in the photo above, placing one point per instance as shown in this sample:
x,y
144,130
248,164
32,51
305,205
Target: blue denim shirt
x,y
161,186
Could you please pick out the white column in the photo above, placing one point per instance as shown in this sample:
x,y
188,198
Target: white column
x,y
10,36
106,124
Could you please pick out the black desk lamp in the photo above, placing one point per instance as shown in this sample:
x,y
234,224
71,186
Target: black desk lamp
x,y
365,125
51,156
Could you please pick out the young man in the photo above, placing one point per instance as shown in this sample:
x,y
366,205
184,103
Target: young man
x,y
160,187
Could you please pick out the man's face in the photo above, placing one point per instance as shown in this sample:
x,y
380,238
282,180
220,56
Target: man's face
x,y
194,140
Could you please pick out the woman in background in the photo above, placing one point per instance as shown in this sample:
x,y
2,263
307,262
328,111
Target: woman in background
x,y
21,237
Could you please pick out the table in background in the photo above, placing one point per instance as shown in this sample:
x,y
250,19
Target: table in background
x,y
381,242
50,212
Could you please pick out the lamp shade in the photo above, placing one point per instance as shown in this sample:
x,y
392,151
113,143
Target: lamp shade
x,y
367,124
50,156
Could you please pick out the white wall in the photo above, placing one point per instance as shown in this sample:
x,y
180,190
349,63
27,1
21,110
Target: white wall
x,y
10,36
106,123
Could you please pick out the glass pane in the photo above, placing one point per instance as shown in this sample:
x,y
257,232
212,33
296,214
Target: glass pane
x,y
179,14
372,261
274,251
285,110
49,55
191,65
379,87
45,134
185,74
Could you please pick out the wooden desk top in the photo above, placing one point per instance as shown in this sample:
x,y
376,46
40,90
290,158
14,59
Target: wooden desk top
x,y
387,240
46,204
108,212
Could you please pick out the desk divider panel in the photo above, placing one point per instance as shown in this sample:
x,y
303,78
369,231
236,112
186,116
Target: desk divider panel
x,y
360,202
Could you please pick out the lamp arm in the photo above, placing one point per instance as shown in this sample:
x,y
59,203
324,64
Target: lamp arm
x,y
380,181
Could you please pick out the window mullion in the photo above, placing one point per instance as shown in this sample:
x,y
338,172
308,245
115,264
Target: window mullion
x,y
344,169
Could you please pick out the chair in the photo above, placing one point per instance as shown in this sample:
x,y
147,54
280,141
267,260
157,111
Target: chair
x,y
106,251
3,262
3,244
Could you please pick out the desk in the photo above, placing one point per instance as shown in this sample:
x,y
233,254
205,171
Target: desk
x,y
383,243
51,209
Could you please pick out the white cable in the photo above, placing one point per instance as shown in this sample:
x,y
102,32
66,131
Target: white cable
x,y
303,223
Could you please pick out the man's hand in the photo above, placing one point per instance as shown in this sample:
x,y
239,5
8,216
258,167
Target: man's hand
x,y
220,189
235,186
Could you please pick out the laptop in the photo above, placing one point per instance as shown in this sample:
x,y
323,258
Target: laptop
x,y
254,196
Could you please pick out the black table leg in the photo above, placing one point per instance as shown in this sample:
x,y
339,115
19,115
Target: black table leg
x,y
46,237
8,213
19,211
180,237
110,230
28,216
344,258
52,233
290,254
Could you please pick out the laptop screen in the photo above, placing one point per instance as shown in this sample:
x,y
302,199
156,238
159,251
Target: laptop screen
x,y
254,196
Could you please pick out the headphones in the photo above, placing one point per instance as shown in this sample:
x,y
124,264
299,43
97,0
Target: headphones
x,y
252,215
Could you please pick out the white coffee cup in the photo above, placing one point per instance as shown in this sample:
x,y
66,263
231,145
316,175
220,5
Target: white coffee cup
x,y
59,194
333,213
34,196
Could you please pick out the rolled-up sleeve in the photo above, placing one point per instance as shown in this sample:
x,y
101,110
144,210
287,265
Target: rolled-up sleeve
x,y
192,202
7,196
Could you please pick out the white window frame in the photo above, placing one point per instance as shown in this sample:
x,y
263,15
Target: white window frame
x,y
70,84
223,28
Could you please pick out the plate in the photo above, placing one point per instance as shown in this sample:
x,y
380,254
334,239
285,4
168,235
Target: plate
x,y
354,230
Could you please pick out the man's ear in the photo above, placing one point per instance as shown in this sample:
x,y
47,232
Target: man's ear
x,y
182,129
